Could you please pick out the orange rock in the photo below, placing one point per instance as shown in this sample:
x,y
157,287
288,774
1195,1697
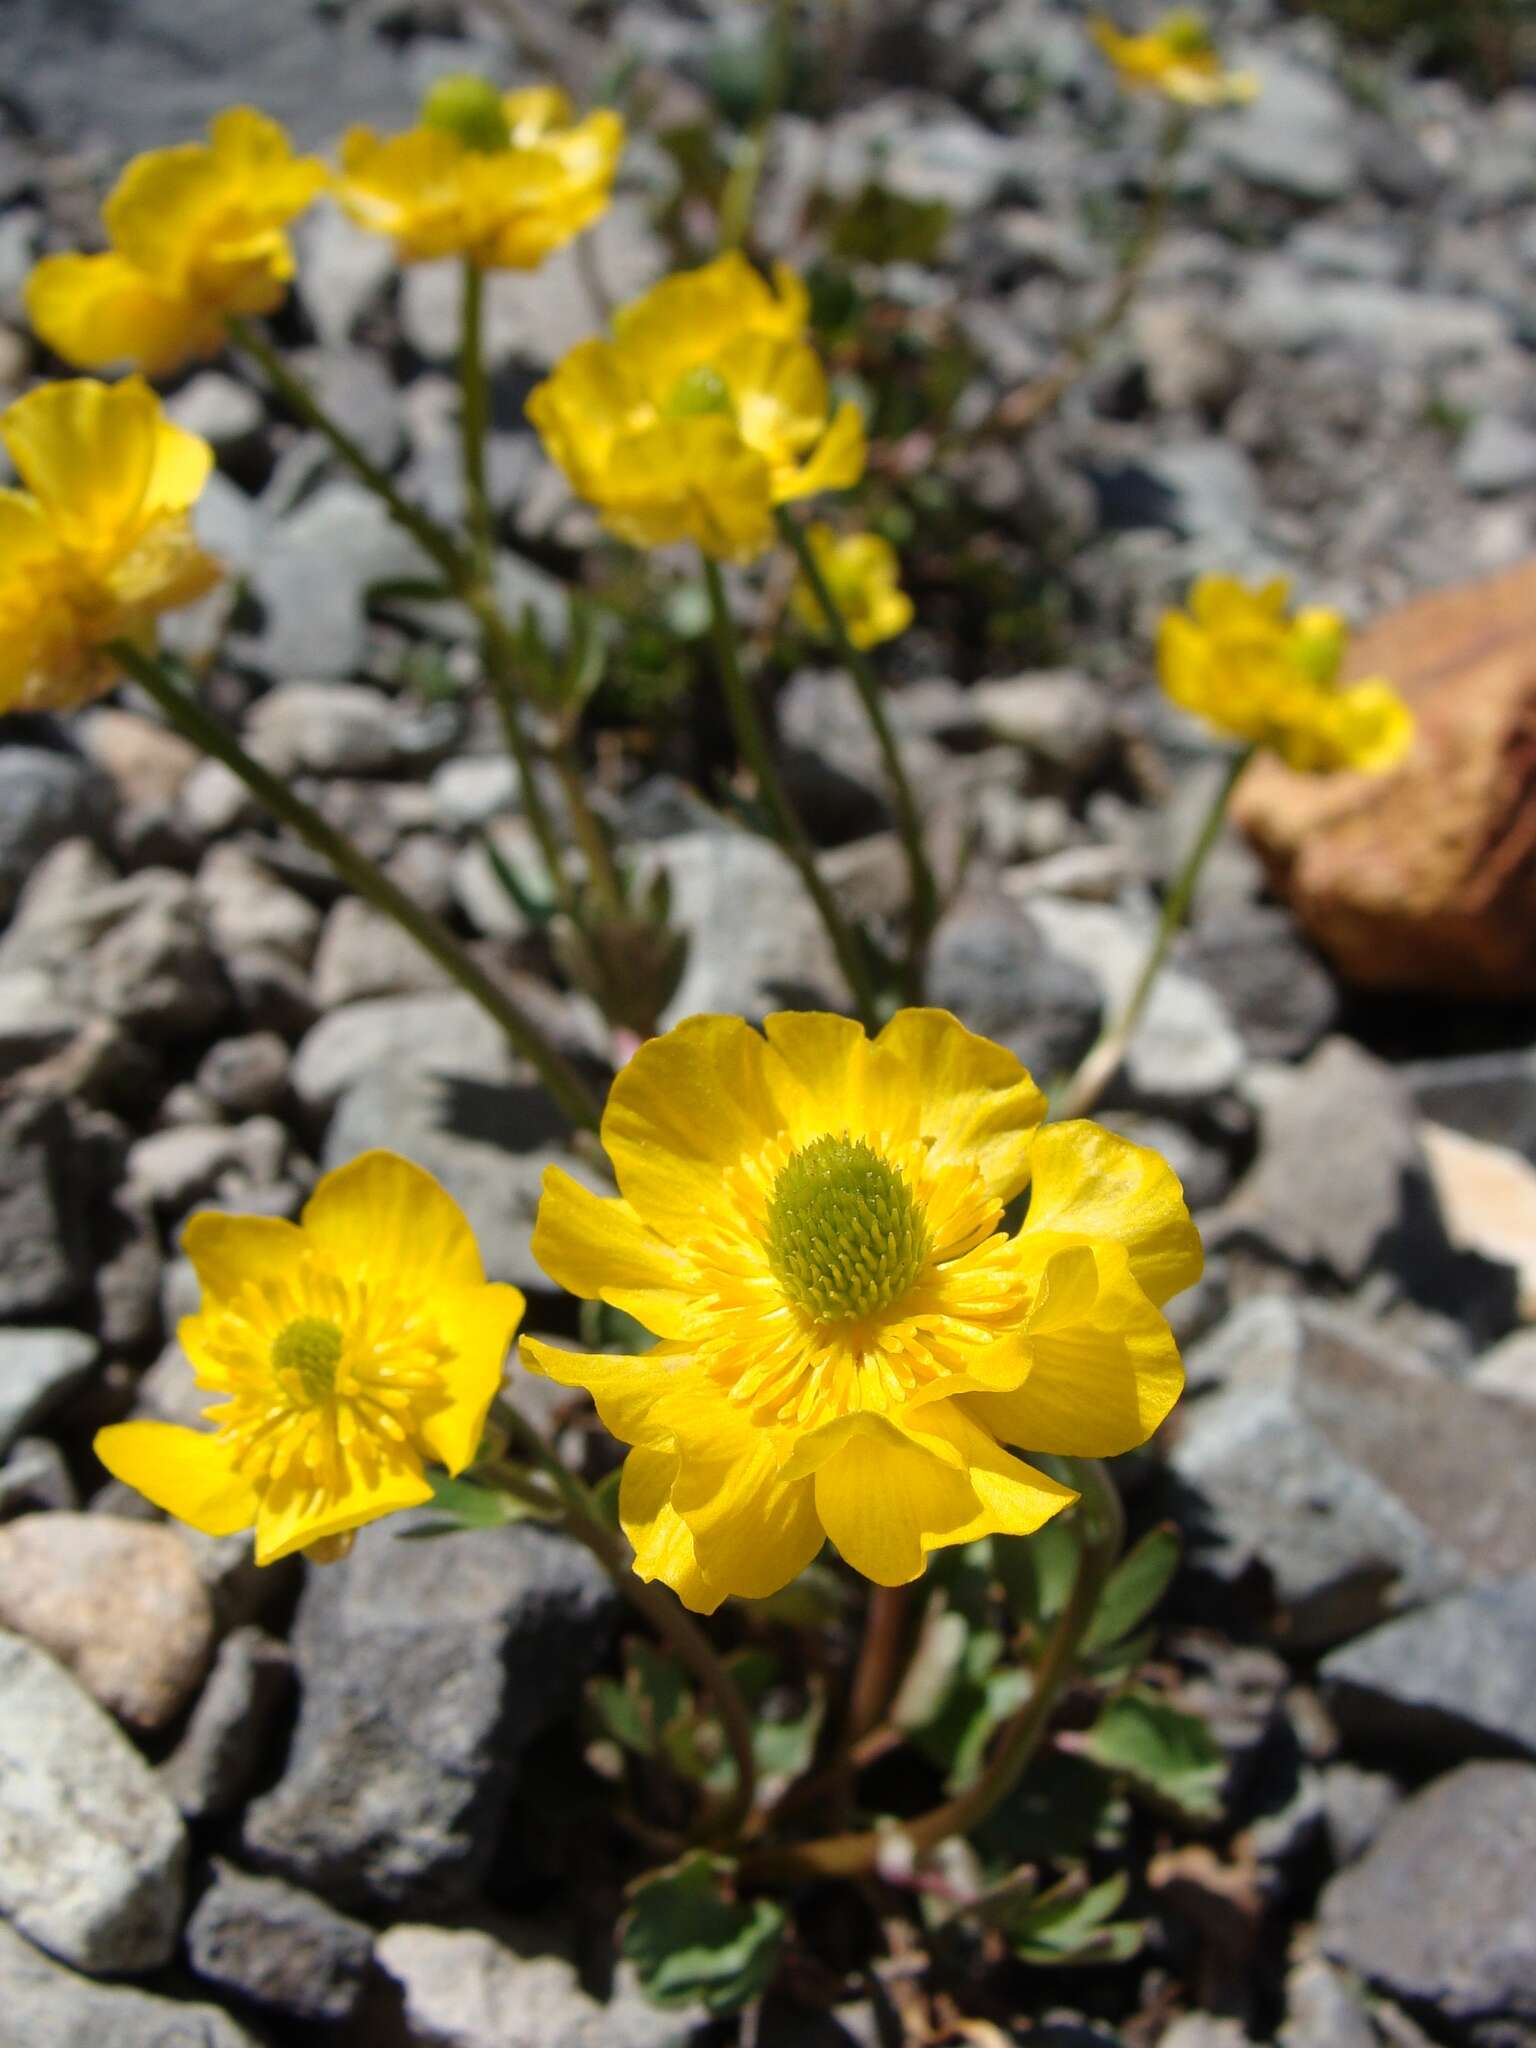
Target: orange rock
x,y
1425,878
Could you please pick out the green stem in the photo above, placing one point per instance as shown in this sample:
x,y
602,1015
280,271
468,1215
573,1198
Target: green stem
x,y
1104,1057
739,200
854,1855
499,655
474,415
370,882
661,1609
909,820
753,742
431,538
602,869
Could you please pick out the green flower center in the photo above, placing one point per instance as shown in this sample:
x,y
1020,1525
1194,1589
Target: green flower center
x,y
470,108
698,391
310,1349
845,1237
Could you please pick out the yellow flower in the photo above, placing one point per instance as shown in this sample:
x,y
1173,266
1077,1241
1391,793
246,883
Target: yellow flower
x,y
1177,59
347,1351
863,575
706,409
1238,662
99,542
811,1222
197,233
502,179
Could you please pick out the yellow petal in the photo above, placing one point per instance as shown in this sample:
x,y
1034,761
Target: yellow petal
x,y
885,1503
157,213
1013,1499
477,1324
825,1059
663,1547
837,463
752,1532
26,538
973,1102
1099,1384
627,1391
1088,1183
688,480
1375,728
185,1471
86,451
688,1107
227,1250
693,315
382,1215
379,1479
181,466
599,1250
96,311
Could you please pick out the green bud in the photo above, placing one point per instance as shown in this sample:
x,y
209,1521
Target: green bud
x,y
470,108
696,392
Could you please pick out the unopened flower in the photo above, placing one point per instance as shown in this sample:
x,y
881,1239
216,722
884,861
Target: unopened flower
x,y
197,233
812,1223
99,542
1236,660
706,410
503,179
1177,59
864,577
344,1353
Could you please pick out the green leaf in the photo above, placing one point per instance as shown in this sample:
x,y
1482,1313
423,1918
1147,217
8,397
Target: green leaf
x,y
538,909
621,1715
1070,1925
1038,1571
1065,1807
1133,1588
467,1506
690,1944
1164,1753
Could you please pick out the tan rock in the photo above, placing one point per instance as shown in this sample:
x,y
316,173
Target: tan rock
x,y
1488,1198
1426,878
119,1603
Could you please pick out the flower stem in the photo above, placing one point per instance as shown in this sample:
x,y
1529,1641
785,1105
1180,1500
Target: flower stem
x,y
753,743
296,394
909,821
661,1608
739,200
853,1855
1103,1058
876,1674
474,415
565,1085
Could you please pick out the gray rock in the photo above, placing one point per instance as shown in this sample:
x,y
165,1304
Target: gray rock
x,y
1277,991
488,1142
921,150
458,1988
34,1019
1203,1167
1509,1368
1185,1049
357,391
312,579
424,1670
34,1477
1438,1913
342,272
245,1076
1337,1480
218,409
1455,1678
44,1187
474,789
1062,719
248,908
437,1034
1483,1095
1201,490
778,959
992,967
118,1603
280,1947
1323,2009
45,2006
92,1852
38,1369
227,1740
214,801
1297,136
1497,455
1341,1184
1282,307
327,728
46,797
1357,1804
174,1168
363,953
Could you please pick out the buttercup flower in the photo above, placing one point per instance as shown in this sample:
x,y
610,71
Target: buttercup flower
x,y
197,233
706,410
863,575
98,544
1177,59
811,1222
345,1352
1237,661
504,179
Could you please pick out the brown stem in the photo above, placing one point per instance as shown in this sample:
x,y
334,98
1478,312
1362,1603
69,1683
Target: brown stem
x,y
876,1674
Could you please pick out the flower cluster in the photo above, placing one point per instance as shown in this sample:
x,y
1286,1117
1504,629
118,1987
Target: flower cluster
x,y
1236,660
1177,59
706,410
98,543
345,1352
812,1224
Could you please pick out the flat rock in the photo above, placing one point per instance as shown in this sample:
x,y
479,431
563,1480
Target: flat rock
x,y
247,906
1277,991
424,1669
118,1603
778,958
92,1852
46,1178
1455,1678
38,1369
45,2006
1439,1912
46,797
363,953
282,1948
1296,136
991,965
435,1034
1488,1197
227,1741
